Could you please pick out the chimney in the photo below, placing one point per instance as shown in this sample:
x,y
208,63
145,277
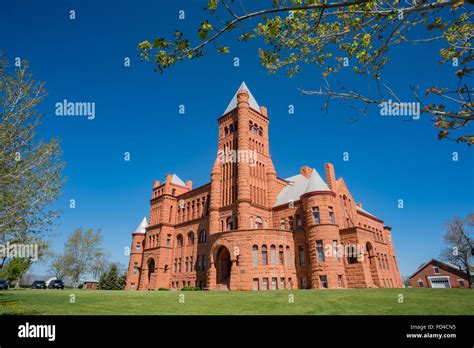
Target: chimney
x,y
156,183
306,171
330,176
189,184
263,111
168,179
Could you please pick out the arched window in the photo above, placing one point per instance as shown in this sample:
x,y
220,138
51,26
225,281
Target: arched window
x,y
258,222
179,240
191,238
301,255
226,131
230,223
255,255
264,255
288,256
260,131
203,236
250,125
273,254
281,257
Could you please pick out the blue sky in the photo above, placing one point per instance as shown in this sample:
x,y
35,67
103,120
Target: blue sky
x,y
137,112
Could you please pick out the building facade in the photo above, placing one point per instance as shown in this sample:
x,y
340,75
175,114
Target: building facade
x,y
249,229
438,274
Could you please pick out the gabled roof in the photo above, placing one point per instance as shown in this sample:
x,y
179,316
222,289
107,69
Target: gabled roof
x,y
447,264
233,103
177,181
299,185
141,228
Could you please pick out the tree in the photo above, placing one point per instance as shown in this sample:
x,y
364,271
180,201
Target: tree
x,y
59,266
111,280
460,243
30,168
81,252
99,267
15,269
329,34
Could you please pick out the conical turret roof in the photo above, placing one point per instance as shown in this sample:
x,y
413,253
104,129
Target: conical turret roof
x,y
316,183
233,103
142,226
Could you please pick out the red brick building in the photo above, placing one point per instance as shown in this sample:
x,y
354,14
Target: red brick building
x,y
438,274
250,229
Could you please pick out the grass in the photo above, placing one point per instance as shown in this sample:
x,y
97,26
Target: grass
x,y
306,302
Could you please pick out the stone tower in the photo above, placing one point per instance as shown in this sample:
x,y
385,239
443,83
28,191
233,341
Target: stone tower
x,y
243,176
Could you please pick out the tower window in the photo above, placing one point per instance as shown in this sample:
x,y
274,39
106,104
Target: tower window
x,y
291,223
273,254
334,250
179,240
191,238
255,255
282,224
202,236
320,249
230,224
339,280
258,222
331,215
317,219
301,255
264,255
324,281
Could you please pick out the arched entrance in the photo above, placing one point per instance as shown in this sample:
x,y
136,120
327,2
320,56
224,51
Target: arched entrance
x,y
151,270
223,268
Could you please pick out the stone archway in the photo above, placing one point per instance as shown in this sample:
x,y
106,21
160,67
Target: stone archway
x,y
151,271
223,266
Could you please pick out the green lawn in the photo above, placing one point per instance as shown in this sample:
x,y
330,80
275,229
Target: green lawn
x,y
306,302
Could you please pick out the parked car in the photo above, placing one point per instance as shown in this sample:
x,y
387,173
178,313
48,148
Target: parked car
x,y
3,285
38,284
56,284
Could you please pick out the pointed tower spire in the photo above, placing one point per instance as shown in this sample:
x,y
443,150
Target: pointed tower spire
x,y
141,228
233,103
